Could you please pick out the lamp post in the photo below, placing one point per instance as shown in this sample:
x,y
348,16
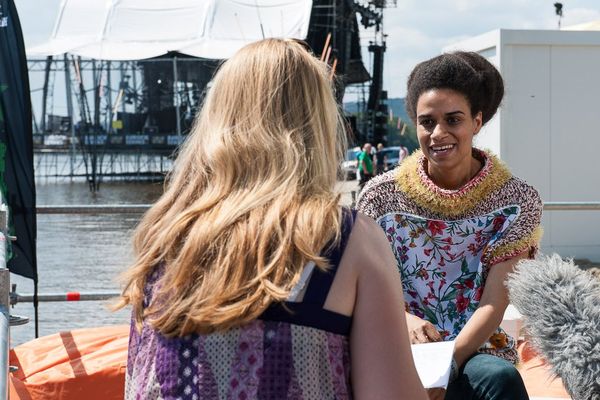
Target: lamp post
x,y
558,8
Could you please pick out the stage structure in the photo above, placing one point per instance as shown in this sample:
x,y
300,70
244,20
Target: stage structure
x,y
116,102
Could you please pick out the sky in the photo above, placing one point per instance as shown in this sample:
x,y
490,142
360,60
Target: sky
x,y
416,29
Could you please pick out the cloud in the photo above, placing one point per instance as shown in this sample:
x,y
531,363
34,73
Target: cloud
x,y
416,29
579,16
37,25
406,48
419,29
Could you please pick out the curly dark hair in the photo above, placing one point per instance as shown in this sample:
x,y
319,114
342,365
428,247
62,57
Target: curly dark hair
x,y
465,72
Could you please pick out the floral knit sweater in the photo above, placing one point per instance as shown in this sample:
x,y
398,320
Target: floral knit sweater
x,y
446,241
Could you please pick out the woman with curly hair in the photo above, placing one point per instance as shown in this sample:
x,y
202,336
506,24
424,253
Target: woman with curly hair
x,y
457,221
250,281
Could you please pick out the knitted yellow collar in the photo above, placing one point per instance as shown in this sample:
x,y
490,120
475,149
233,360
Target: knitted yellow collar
x,y
412,179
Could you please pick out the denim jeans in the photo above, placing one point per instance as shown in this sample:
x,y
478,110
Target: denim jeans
x,y
486,377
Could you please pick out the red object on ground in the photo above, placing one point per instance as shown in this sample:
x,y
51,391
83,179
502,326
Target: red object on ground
x,y
73,296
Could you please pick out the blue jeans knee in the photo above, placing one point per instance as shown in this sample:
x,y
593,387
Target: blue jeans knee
x,y
487,377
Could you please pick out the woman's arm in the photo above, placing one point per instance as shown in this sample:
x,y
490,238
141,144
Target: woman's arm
x,y
488,316
382,363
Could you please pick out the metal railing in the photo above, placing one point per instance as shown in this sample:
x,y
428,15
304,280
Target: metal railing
x,y
142,208
57,297
4,306
94,209
4,326
571,205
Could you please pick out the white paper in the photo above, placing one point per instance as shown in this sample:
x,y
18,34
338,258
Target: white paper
x,y
433,362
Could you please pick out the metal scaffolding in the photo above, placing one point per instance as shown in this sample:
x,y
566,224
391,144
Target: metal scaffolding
x,y
124,119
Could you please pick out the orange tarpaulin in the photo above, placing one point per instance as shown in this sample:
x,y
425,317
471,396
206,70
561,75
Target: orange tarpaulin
x,y
90,364
80,364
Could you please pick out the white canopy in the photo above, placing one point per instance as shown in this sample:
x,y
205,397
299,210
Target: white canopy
x,y
139,29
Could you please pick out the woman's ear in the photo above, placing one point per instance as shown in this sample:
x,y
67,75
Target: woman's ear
x,y
478,121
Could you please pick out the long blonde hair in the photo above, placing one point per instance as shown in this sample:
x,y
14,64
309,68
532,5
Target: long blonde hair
x,y
251,197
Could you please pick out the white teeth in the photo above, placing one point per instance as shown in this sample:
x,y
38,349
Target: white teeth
x,y
442,148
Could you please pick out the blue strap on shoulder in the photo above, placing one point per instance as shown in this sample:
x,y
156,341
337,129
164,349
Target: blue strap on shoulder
x,y
321,281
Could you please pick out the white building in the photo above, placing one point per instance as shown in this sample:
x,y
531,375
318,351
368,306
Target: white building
x,y
548,127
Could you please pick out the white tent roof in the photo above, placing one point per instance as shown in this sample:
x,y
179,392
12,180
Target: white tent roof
x,y
139,29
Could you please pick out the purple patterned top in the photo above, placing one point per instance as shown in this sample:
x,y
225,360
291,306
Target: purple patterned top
x,y
446,241
282,355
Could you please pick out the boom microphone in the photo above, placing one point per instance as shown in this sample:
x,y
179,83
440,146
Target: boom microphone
x,y
561,311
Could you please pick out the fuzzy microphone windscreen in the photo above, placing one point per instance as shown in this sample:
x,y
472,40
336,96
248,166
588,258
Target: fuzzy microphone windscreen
x,y
560,304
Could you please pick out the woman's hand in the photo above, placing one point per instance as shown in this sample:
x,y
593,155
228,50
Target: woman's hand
x,y
421,331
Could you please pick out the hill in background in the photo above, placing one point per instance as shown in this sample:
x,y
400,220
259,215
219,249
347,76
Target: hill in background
x,y
396,105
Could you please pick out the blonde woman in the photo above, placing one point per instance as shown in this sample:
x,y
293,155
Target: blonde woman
x,y
250,281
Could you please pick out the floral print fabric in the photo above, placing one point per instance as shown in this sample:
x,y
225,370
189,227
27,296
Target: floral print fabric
x,y
446,241
440,263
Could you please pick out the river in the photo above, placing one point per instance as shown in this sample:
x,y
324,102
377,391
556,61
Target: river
x,y
85,253
82,253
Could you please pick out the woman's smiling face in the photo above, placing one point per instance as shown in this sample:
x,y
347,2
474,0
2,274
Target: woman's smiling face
x,y
445,130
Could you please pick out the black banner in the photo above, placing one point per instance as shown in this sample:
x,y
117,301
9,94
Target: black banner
x,y
16,149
